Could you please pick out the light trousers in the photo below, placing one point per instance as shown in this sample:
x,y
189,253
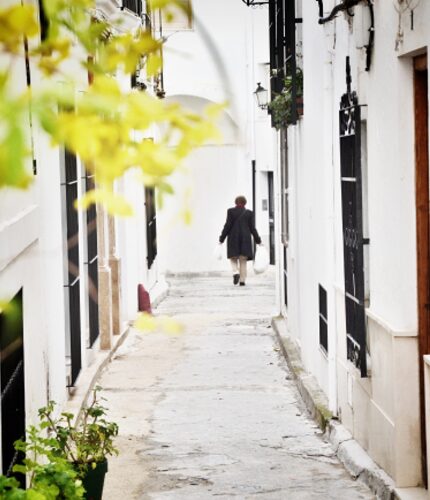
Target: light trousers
x,y
238,266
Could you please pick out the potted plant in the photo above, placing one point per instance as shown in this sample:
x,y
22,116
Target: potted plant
x,y
55,480
50,476
86,444
64,460
281,106
10,489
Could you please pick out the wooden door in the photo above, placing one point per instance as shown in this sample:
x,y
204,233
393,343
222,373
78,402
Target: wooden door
x,y
423,220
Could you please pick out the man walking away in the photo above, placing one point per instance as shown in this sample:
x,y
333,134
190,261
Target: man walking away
x,y
238,228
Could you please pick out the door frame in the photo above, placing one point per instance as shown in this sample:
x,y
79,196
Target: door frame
x,y
421,114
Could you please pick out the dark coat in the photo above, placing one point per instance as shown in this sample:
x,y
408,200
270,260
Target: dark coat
x,y
239,226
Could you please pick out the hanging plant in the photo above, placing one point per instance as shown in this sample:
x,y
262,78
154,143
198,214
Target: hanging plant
x,y
281,107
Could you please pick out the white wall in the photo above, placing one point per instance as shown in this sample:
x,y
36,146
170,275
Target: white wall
x,y
209,185
33,256
368,407
216,61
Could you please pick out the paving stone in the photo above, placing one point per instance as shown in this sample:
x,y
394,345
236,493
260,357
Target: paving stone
x,y
213,412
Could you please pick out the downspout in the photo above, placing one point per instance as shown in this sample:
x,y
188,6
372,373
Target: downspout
x,y
330,141
279,236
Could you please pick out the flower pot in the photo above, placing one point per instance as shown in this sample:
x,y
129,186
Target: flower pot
x,y
93,481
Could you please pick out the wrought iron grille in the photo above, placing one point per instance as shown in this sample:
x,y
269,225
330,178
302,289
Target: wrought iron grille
x,y
12,384
352,222
133,5
282,33
73,282
151,225
277,45
92,256
323,317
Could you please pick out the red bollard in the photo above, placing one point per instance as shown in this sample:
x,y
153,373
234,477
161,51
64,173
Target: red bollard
x,y
143,300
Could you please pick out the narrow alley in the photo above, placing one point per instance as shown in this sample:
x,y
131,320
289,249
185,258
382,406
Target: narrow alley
x,y
213,412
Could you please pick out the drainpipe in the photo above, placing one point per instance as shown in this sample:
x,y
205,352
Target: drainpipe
x,y
279,257
330,137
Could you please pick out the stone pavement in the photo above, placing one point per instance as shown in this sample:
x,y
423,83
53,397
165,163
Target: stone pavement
x,y
213,412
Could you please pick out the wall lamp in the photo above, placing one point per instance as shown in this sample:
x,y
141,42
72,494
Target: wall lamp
x,y
262,96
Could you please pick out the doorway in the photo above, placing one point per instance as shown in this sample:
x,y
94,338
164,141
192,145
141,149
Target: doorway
x,y
271,218
423,220
12,384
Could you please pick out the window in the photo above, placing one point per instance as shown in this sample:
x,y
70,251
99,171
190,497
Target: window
x,y
92,265
350,129
323,318
12,383
151,225
72,279
133,5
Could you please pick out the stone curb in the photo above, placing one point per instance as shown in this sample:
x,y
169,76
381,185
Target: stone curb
x,y
87,380
312,395
349,452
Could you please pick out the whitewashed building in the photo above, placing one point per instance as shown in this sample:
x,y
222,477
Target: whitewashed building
x,y
353,205
73,276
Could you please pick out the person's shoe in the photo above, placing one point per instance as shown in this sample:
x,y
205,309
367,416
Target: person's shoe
x,y
236,279
242,283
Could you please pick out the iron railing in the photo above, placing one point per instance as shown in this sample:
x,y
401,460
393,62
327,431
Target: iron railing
x,y
352,222
282,41
323,318
151,225
73,283
92,266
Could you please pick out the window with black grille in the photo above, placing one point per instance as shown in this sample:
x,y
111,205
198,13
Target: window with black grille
x,y
72,285
133,5
323,318
282,40
352,224
12,383
151,225
92,265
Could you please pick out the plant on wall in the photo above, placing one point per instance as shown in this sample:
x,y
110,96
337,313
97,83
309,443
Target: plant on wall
x,y
281,107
